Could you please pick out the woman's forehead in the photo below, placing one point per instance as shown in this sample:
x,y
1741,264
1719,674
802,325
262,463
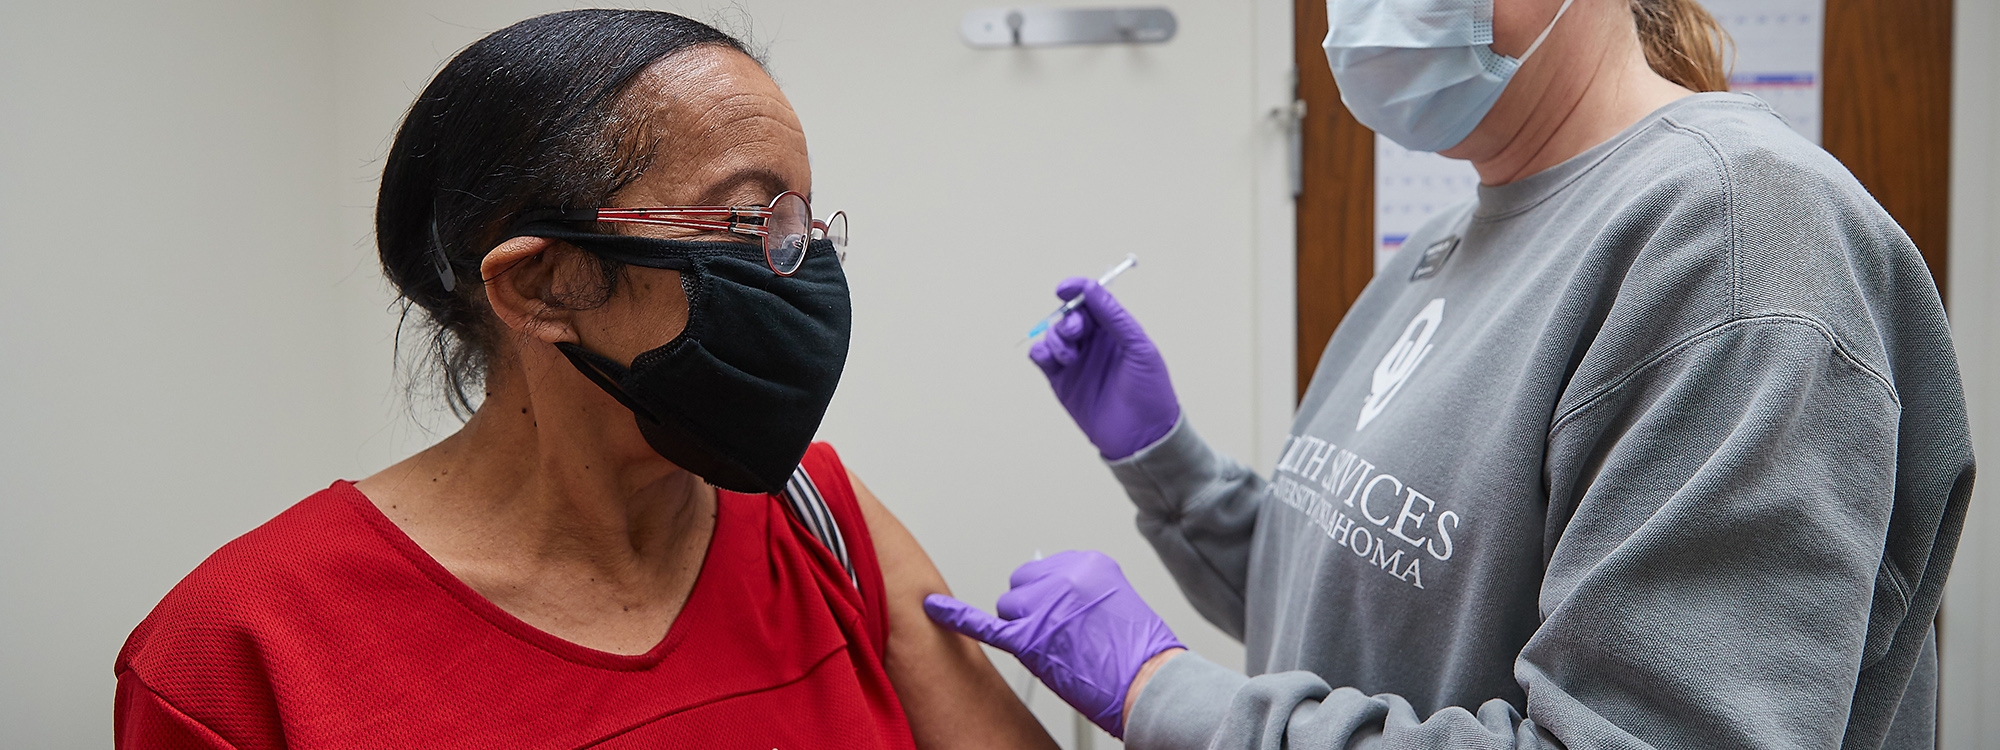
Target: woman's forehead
x,y
720,131
697,93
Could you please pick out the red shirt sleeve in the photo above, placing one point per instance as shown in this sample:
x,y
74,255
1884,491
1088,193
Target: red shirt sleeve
x,y
830,475
141,719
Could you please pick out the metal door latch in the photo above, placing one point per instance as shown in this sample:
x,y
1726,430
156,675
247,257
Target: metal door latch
x,y
1046,27
1291,118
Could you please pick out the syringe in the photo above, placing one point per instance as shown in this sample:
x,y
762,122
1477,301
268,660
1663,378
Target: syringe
x,y
1077,301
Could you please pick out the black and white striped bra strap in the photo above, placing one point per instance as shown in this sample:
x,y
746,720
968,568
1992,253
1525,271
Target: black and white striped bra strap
x,y
803,497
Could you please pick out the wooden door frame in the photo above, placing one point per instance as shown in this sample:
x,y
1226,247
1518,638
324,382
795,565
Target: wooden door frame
x,y
1887,111
1336,201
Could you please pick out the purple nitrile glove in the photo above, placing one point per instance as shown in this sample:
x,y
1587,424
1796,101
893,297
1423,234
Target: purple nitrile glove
x,y
1075,622
1107,373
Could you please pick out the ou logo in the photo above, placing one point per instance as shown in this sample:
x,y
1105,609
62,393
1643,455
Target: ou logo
x,y
1401,360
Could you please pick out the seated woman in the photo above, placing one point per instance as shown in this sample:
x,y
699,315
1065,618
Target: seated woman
x,y
632,542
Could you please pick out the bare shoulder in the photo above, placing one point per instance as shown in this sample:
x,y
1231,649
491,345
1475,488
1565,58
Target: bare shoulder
x,y
953,696
906,569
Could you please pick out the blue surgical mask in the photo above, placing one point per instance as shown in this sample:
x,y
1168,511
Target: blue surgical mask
x,y
1422,72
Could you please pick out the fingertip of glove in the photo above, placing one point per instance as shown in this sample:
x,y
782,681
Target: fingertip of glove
x,y
1095,294
1072,286
1038,353
1060,351
968,621
1050,354
939,606
1070,326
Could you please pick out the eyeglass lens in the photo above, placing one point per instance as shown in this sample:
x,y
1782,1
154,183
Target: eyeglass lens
x,y
836,232
786,231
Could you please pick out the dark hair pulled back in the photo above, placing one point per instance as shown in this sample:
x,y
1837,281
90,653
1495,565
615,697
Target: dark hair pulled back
x,y
527,117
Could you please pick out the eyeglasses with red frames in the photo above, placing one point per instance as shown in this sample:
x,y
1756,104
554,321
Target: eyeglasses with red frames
x,y
786,226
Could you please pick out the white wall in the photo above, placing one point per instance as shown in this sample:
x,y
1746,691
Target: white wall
x,y
231,364
1971,623
167,278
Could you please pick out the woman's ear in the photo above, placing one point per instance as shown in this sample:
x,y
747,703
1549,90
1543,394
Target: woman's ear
x,y
522,276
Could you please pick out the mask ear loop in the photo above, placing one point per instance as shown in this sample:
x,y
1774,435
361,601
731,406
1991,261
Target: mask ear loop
x,y
1545,32
441,262
606,373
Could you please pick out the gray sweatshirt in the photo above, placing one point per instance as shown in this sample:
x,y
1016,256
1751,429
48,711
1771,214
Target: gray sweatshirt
x,y
1662,447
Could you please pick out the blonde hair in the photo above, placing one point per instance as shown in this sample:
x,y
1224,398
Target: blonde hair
x,y
1683,43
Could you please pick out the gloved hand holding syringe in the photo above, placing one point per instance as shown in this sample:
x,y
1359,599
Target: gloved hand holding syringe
x,y
1105,280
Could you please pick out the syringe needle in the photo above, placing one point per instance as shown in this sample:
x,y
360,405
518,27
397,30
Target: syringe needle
x,y
1077,301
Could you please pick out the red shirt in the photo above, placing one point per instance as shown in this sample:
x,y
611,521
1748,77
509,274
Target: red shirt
x,y
329,628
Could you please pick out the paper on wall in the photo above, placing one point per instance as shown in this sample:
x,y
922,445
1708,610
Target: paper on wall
x,y
1409,187
1777,55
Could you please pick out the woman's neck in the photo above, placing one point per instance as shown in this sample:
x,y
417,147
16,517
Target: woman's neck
x,y
553,512
1586,85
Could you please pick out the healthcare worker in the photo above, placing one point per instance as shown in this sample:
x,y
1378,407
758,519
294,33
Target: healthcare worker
x,y
1659,442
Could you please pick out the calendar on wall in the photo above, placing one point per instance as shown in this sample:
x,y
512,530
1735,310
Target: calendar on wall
x,y
1777,55
1410,186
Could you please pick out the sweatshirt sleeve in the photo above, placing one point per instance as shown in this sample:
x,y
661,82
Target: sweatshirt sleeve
x,y
1715,572
1199,509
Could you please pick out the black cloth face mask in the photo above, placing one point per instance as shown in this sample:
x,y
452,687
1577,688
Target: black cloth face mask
x,y
737,397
